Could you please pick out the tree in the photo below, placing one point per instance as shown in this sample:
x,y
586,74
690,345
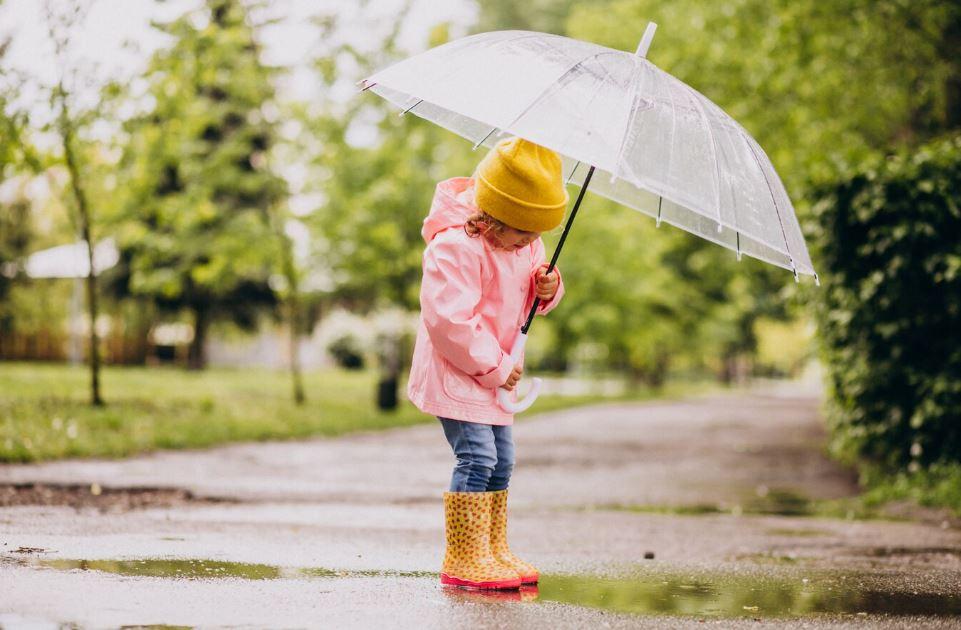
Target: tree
x,y
15,225
70,120
197,230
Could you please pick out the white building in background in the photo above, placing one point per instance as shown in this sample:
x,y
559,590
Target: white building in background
x,y
73,262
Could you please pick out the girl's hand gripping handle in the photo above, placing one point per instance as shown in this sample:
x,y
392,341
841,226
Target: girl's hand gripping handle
x,y
503,396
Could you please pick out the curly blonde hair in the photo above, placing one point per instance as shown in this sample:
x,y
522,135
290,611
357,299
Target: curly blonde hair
x,y
481,223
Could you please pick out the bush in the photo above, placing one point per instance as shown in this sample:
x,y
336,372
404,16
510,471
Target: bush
x,y
347,352
889,313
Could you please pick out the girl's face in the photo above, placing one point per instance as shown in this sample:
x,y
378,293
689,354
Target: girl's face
x,y
510,239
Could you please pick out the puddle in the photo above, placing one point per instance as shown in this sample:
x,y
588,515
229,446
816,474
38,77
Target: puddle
x,y
648,594
796,533
769,502
104,498
741,596
213,569
898,552
769,558
779,502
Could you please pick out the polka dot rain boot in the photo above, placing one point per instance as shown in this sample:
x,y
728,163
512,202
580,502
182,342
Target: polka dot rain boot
x,y
468,561
529,575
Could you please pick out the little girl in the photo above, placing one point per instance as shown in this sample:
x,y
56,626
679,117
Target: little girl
x,y
483,266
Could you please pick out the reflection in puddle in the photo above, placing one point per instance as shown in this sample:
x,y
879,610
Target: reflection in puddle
x,y
213,569
735,596
662,594
526,593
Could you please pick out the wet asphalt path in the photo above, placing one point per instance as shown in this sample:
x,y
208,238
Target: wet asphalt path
x,y
348,532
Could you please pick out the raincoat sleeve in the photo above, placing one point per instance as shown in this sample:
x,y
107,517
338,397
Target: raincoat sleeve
x,y
449,298
540,258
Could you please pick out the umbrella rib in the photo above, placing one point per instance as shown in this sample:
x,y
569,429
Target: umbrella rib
x,y
630,118
543,93
481,141
537,98
670,154
777,211
717,173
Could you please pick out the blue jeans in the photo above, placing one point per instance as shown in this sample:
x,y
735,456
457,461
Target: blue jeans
x,y
485,455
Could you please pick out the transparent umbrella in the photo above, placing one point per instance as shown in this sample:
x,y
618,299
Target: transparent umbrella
x,y
654,143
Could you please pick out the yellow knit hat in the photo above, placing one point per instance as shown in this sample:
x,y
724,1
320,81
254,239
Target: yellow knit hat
x,y
519,183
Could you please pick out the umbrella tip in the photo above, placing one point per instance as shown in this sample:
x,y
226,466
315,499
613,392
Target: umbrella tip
x,y
646,40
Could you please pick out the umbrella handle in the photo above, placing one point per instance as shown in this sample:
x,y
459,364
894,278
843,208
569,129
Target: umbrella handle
x,y
503,396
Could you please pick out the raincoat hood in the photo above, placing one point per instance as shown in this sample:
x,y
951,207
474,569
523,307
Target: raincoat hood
x,y
452,204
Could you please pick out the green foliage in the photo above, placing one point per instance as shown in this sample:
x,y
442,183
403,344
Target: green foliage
x,y
547,16
196,232
16,223
783,347
890,310
938,485
813,82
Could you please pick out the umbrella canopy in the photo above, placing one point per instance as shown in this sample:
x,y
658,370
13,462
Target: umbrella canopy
x,y
666,150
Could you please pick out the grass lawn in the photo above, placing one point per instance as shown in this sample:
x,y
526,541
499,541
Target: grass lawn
x,y
44,412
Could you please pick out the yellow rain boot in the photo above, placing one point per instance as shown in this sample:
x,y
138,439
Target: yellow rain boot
x,y
529,575
468,561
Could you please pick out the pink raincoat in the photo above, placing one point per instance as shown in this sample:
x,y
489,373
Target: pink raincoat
x,y
473,300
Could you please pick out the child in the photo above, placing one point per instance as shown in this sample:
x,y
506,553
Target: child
x,y
483,266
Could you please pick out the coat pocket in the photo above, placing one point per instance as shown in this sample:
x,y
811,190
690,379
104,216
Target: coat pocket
x,y
462,387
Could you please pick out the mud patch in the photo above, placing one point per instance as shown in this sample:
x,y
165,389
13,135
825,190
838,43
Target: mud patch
x,y
103,498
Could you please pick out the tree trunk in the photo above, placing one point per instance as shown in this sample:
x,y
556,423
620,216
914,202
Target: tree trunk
x,y
659,372
293,314
275,219
293,305
83,208
196,353
389,359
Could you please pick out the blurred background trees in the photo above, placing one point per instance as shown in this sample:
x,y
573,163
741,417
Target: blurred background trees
x,y
234,200
199,191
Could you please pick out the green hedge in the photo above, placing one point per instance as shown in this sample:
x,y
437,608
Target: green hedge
x,y
889,311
